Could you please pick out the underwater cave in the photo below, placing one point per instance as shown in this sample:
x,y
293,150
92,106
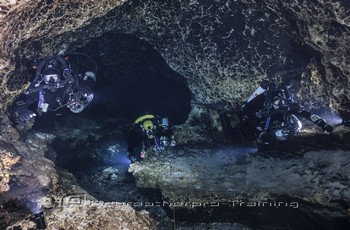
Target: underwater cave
x,y
192,62
133,80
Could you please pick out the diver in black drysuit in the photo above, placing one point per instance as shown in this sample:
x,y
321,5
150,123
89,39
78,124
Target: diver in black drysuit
x,y
270,116
148,131
56,84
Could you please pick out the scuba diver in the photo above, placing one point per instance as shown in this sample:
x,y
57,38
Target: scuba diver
x,y
148,131
57,84
270,114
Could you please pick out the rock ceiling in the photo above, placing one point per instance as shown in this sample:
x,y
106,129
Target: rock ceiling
x,y
222,48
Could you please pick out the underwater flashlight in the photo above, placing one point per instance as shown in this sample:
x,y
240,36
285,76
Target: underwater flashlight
x,y
39,219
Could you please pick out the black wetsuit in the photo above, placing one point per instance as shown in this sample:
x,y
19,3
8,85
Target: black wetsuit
x,y
136,137
56,97
256,114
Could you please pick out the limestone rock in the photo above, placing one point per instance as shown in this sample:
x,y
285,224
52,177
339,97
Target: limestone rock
x,y
94,216
237,177
223,49
7,161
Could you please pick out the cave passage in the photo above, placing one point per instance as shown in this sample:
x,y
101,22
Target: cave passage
x,y
133,79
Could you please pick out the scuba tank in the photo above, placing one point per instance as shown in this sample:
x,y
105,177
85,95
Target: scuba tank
x,y
261,89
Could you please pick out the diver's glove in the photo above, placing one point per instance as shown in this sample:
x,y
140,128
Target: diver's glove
x,y
321,123
24,114
325,127
172,143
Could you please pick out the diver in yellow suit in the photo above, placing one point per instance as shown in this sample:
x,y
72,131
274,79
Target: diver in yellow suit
x,y
148,131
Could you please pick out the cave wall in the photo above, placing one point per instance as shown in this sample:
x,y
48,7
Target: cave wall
x,y
32,29
223,49
324,26
25,174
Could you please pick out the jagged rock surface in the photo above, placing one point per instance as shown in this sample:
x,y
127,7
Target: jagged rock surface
x,y
39,28
219,47
24,162
29,182
300,176
94,216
